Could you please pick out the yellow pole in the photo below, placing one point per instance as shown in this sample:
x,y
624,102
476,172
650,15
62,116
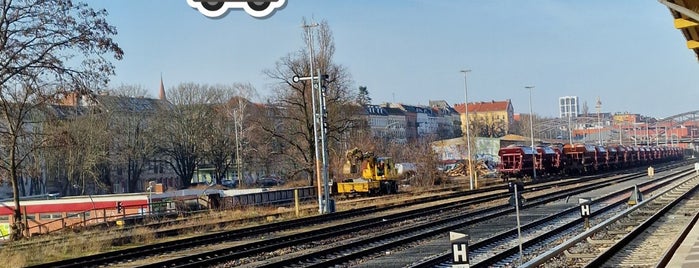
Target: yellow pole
x,y
296,201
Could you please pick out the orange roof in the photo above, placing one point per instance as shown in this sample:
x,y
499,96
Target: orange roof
x,y
490,106
517,117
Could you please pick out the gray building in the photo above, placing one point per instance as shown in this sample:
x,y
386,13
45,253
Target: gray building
x,y
568,106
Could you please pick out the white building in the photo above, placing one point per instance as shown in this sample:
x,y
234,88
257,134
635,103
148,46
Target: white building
x,y
568,106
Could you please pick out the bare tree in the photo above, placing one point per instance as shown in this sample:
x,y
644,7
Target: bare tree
x,y
125,90
184,129
293,105
229,129
37,40
134,144
78,152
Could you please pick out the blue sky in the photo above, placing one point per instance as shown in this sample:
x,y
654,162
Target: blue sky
x,y
410,51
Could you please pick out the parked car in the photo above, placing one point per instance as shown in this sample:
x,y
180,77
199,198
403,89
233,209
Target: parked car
x,y
269,181
230,183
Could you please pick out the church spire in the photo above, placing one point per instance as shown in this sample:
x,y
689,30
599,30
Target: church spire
x,y
161,95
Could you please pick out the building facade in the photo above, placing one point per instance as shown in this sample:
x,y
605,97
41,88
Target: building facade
x,y
488,119
568,106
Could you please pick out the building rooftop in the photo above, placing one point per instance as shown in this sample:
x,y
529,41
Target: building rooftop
x,y
483,106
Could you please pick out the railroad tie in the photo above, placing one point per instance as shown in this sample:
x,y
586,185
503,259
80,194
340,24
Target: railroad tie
x,y
579,255
617,232
600,241
638,219
627,223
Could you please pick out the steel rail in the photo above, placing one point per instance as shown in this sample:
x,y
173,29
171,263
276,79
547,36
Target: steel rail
x,y
445,257
543,258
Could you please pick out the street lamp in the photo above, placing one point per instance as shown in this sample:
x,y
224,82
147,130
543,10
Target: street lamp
x,y
468,134
647,133
599,122
237,117
75,186
151,184
570,128
657,134
531,128
621,129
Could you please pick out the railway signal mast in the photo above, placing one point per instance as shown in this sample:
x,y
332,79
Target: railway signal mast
x,y
319,118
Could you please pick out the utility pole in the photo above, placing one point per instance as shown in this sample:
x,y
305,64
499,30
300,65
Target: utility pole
x,y
468,136
599,122
621,129
531,128
570,128
237,126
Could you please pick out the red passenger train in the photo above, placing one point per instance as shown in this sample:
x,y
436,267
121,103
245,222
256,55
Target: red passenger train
x,y
579,159
47,214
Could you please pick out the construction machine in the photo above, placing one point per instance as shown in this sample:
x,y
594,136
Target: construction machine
x,y
367,174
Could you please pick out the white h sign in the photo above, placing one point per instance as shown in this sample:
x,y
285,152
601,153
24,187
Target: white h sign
x,y
585,210
584,206
460,252
459,247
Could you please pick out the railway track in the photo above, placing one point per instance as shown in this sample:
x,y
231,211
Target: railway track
x,y
648,248
174,227
503,250
270,229
330,252
260,230
643,232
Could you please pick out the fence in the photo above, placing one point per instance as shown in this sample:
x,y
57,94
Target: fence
x,y
167,207
277,197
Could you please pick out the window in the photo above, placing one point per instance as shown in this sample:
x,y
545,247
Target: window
x,y
49,216
5,218
78,215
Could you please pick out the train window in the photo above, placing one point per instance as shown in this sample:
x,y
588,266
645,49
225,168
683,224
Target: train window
x,y
48,216
78,215
4,218
30,216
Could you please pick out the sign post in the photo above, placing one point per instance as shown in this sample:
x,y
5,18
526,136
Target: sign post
x,y
459,248
585,210
636,196
651,172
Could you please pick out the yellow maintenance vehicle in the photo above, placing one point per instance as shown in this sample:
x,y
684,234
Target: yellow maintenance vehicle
x,y
366,174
